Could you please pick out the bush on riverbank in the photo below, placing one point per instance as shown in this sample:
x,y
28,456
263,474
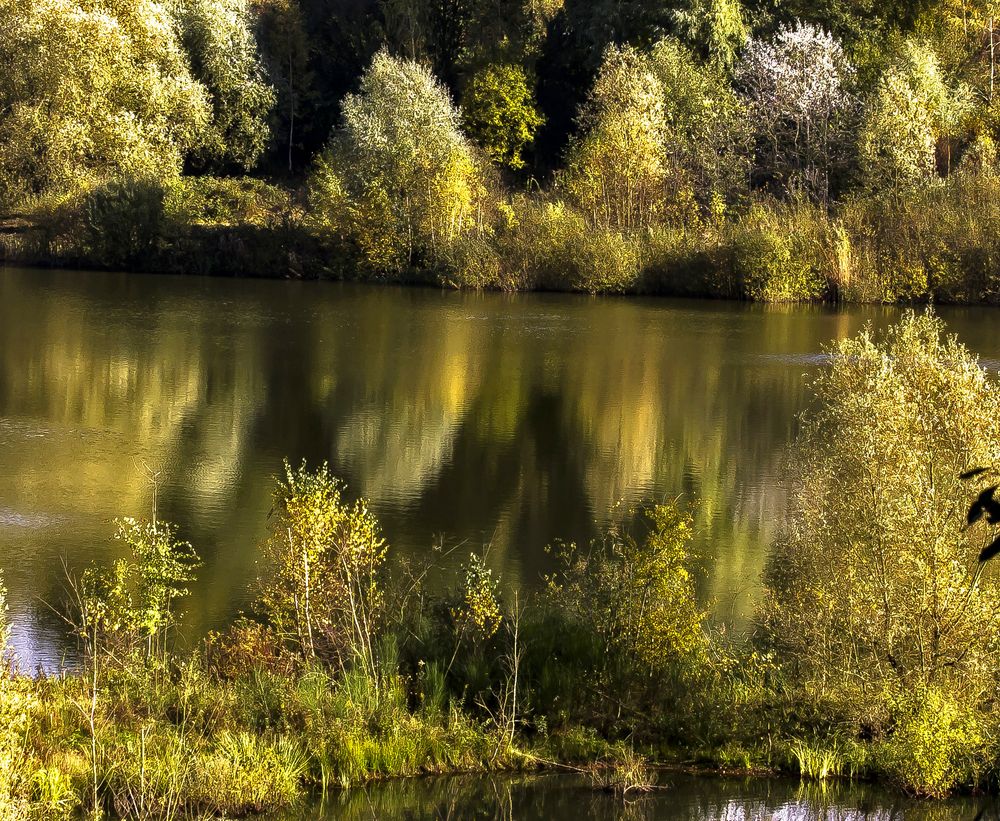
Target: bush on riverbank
x,y
935,243
877,607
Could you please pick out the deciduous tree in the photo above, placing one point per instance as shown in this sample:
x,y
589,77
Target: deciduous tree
x,y
617,168
218,37
874,589
92,91
399,176
499,112
911,109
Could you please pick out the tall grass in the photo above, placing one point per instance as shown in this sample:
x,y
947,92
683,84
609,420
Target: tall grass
x,y
938,242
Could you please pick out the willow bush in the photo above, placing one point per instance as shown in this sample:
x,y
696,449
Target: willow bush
x,y
321,578
873,593
618,627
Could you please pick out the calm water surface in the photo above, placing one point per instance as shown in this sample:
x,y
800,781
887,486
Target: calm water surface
x,y
685,798
466,418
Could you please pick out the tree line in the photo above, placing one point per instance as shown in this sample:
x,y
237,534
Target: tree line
x,y
518,143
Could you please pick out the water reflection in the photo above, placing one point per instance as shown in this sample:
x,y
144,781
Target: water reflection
x,y
682,798
514,420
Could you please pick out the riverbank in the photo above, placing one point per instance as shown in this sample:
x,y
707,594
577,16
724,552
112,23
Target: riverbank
x,y
560,797
355,671
873,653
935,244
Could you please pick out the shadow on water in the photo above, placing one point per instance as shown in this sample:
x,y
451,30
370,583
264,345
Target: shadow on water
x,y
685,798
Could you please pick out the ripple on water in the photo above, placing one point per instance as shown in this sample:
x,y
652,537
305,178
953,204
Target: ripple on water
x,y
797,358
28,521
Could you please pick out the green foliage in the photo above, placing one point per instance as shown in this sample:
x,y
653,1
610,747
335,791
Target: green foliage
x,y
15,707
670,139
876,575
132,603
479,611
708,135
499,112
245,773
123,222
770,263
935,742
617,169
816,761
112,98
665,139
910,110
4,623
218,38
215,201
637,595
320,583
285,48
399,178
618,622
716,28
550,245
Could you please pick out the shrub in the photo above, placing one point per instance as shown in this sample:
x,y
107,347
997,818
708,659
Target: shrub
x,y
770,262
132,603
123,223
225,201
321,583
935,743
875,575
552,246
621,617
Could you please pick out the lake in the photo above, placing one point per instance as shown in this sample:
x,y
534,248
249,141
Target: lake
x,y
468,419
683,798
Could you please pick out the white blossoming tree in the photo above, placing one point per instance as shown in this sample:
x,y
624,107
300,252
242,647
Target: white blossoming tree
x,y
797,84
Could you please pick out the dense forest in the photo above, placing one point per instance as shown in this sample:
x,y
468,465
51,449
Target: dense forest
x,y
776,150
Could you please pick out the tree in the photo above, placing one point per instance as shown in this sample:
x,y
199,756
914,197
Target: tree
x,y
662,135
399,177
965,34
797,86
284,45
716,29
132,603
910,110
499,112
320,581
113,96
507,32
217,35
617,168
873,593
707,127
